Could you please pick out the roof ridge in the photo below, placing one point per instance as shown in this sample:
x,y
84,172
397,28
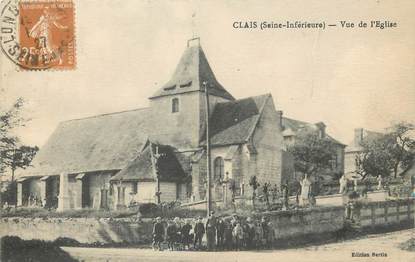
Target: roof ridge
x,y
105,114
251,132
239,100
290,118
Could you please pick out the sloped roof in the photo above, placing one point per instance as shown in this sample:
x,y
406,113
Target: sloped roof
x,y
141,168
292,126
104,142
296,125
192,70
367,135
233,122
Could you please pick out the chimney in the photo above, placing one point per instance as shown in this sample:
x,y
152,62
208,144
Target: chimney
x,y
358,136
322,129
279,118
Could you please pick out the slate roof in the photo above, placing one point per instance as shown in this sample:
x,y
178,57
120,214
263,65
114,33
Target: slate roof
x,y
103,142
192,70
233,122
292,126
141,168
296,125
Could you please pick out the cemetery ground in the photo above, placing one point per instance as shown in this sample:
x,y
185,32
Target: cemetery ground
x,y
379,247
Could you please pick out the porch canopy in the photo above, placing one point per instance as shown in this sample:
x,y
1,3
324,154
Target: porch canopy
x,y
143,167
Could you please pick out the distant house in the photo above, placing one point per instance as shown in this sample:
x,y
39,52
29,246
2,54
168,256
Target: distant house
x,y
108,161
355,147
291,130
409,174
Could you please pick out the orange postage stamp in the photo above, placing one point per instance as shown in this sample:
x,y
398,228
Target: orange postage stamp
x,y
39,34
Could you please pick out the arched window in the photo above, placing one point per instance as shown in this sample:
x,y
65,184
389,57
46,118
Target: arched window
x,y
218,167
175,105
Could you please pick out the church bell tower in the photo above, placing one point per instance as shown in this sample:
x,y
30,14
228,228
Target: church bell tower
x,y
179,105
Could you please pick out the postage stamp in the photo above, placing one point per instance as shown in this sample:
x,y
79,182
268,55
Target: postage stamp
x,y
39,34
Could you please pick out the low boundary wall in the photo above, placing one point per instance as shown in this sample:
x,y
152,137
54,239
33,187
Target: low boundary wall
x,y
386,214
302,224
85,231
297,223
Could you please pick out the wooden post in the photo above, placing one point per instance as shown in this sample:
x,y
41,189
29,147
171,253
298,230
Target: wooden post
x,y
209,192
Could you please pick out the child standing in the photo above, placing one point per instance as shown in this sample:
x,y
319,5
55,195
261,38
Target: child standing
x,y
238,235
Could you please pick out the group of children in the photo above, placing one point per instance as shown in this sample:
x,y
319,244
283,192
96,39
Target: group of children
x,y
232,233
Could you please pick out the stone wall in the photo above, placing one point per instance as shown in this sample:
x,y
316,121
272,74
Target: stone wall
x,y
386,213
298,223
83,230
268,141
287,167
290,224
287,224
182,129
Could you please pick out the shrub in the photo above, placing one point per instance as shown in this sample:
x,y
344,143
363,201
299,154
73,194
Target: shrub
x,y
44,213
408,245
353,195
147,209
66,242
15,249
9,194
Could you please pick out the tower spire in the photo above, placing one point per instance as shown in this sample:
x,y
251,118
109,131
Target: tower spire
x,y
194,39
192,70
194,24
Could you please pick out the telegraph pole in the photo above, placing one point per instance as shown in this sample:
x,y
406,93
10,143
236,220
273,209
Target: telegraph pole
x,y
209,192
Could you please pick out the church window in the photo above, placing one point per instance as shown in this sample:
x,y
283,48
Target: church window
x,y
170,87
134,188
175,105
186,84
218,168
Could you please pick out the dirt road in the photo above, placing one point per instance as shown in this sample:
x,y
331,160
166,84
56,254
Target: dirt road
x,y
379,248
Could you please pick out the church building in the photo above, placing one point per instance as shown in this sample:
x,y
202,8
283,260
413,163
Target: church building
x,y
113,160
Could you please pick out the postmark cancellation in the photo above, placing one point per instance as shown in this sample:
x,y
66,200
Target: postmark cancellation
x,y
39,35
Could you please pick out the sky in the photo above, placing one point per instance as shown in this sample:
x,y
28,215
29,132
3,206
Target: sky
x,y
126,50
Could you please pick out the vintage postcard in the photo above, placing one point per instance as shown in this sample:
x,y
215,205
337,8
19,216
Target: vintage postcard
x,y
186,130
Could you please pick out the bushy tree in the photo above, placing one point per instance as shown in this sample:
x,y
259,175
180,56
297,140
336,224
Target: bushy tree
x,y
9,194
9,119
312,153
387,154
401,146
19,157
13,154
374,159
